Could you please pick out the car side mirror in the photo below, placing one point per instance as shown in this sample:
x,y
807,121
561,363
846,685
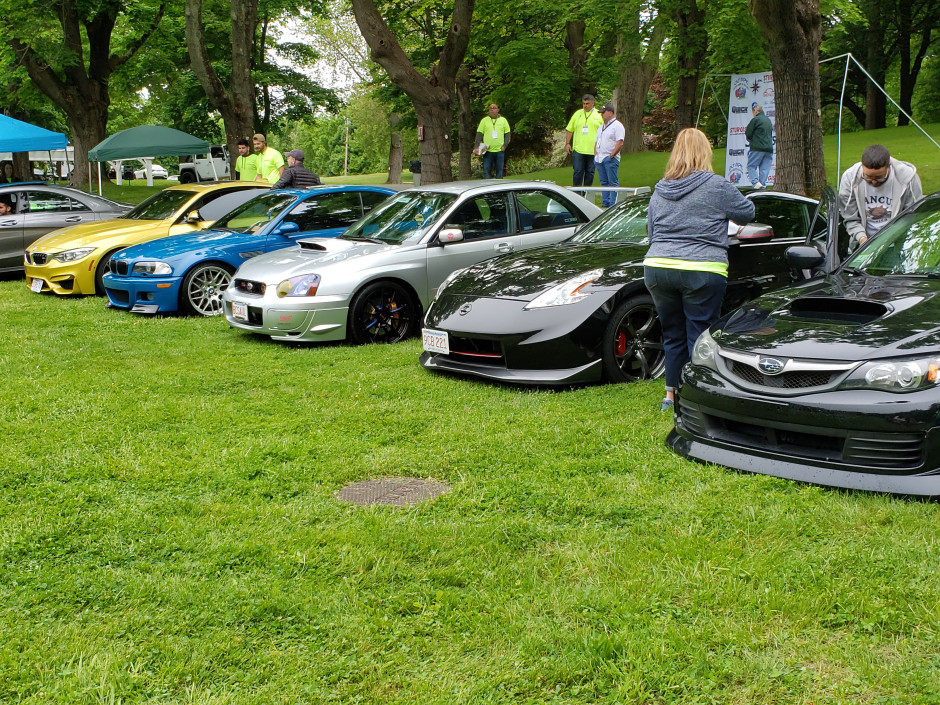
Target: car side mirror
x,y
193,217
286,227
448,236
753,232
804,257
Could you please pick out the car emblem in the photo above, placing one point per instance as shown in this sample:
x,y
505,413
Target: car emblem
x,y
770,366
465,309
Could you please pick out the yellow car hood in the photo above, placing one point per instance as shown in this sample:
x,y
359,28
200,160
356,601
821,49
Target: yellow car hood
x,y
115,231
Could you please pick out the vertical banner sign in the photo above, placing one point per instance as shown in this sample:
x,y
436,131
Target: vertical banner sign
x,y
747,89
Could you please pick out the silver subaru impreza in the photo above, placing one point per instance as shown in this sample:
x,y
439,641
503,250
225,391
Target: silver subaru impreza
x,y
373,282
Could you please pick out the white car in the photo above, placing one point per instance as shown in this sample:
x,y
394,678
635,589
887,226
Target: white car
x,y
159,172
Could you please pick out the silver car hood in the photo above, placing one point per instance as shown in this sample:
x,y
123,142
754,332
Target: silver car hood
x,y
319,252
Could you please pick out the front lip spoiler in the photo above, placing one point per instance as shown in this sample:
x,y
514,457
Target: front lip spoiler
x,y
923,485
149,309
590,372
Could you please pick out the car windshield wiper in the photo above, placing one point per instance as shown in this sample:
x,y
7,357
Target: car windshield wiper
x,y
855,270
367,239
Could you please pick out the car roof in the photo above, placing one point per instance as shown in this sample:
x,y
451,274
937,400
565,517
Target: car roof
x,y
52,187
460,187
333,188
211,185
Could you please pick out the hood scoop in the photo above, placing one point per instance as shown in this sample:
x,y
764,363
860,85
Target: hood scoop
x,y
838,310
312,245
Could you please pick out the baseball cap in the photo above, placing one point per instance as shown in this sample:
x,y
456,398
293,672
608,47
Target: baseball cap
x,y
297,154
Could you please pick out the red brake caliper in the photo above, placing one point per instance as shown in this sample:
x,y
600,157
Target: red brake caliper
x,y
621,343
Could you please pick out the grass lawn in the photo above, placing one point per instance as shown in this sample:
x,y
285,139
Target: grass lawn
x,y
169,533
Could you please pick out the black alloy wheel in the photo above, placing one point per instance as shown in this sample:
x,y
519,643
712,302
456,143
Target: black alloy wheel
x,y
383,312
633,342
100,271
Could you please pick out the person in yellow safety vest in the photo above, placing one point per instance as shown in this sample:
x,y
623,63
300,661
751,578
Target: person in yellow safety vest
x,y
246,166
580,136
493,131
270,161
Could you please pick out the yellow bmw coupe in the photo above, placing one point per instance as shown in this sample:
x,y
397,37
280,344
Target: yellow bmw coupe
x,y
73,260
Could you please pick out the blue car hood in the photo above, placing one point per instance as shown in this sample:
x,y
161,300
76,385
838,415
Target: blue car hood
x,y
167,248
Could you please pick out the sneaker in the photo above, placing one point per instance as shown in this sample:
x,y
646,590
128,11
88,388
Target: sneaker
x,y
758,185
666,405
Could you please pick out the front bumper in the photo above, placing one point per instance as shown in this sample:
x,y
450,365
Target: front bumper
x,y
302,320
64,278
590,372
853,439
142,295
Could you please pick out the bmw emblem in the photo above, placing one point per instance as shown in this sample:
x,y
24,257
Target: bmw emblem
x,y
770,366
465,309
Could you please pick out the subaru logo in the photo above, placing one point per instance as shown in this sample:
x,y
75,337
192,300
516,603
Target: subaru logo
x,y
465,309
770,366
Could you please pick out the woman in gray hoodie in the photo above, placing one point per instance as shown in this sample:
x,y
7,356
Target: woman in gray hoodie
x,y
686,266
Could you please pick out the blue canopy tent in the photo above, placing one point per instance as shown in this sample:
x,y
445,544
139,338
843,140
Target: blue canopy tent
x,y
19,136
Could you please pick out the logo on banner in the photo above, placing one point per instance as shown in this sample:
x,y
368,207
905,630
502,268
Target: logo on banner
x,y
770,112
755,87
738,130
735,152
738,109
740,89
737,172
769,93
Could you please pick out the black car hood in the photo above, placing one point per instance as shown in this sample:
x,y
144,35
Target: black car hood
x,y
526,275
840,317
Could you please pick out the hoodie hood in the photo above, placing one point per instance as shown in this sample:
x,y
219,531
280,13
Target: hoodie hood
x,y
674,189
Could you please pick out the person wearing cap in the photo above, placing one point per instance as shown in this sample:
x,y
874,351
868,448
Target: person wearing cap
x,y
246,165
607,148
493,131
760,136
580,135
270,161
296,175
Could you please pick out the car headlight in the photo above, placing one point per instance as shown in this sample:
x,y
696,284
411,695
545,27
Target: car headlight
x,y
705,351
910,375
569,292
303,285
73,255
152,268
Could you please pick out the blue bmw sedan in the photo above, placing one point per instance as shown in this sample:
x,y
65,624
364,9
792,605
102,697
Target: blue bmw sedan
x,y
188,273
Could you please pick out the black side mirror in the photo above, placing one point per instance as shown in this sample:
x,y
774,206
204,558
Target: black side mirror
x,y
804,257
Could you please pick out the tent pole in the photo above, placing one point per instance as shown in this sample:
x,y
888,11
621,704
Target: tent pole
x,y
845,77
100,189
701,102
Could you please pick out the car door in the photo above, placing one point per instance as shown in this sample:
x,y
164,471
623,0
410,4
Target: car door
x,y
46,210
546,217
11,233
488,225
323,215
757,267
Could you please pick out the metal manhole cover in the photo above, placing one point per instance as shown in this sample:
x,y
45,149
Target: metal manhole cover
x,y
393,491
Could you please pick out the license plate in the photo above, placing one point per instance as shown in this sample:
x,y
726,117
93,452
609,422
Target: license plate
x,y
436,341
239,311
36,285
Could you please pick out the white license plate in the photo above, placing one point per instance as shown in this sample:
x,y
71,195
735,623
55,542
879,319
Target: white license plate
x,y
436,341
239,311
36,285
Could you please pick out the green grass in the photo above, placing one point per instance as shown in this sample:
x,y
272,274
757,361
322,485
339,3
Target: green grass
x,y
169,533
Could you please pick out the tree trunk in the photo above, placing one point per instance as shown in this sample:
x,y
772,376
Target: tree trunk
x,y
432,97
577,64
910,68
394,149
875,101
465,123
692,41
792,31
89,128
639,61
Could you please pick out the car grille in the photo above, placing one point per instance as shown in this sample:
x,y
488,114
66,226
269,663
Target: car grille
x,y
479,351
887,451
119,295
37,258
118,267
252,288
786,380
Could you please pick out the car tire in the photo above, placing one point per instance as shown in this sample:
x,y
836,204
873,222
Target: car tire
x,y
633,342
202,287
100,271
187,177
383,312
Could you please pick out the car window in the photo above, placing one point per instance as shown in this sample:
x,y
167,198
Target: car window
x,y
327,211
482,217
160,206
370,199
215,204
252,215
405,216
624,223
787,218
49,202
539,209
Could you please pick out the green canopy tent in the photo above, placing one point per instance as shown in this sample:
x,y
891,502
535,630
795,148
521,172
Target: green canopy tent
x,y
146,142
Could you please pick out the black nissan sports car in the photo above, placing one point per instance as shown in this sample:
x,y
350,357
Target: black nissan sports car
x,y
578,311
834,382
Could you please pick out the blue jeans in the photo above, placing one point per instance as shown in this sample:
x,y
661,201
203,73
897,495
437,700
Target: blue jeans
x,y
758,166
491,158
687,303
583,165
607,171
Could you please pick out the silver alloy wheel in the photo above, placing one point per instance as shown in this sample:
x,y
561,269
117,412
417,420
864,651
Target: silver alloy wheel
x,y
204,287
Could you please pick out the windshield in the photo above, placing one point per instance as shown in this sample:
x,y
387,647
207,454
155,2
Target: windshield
x,y
624,224
253,214
160,206
405,216
909,245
